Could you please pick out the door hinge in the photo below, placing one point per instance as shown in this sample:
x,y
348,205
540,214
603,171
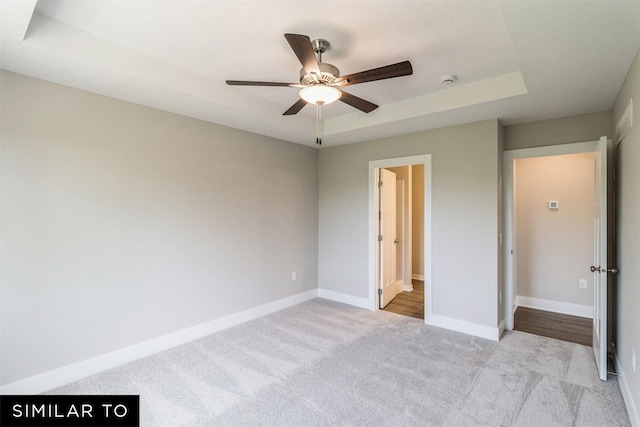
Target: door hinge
x,y
380,292
379,237
379,183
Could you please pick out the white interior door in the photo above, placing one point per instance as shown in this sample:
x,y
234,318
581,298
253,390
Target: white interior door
x,y
599,267
387,237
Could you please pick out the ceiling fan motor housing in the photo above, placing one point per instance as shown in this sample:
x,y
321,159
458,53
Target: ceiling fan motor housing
x,y
328,75
328,72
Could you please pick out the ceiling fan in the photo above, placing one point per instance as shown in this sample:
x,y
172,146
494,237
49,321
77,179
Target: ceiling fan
x,y
320,82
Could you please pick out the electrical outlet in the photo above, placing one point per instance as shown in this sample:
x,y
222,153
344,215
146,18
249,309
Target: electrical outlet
x,y
582,283
294,275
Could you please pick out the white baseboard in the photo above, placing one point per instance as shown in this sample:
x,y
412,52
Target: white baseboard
x,y
632,409
345,298
556,306
58,377
407,288
463,326
417,277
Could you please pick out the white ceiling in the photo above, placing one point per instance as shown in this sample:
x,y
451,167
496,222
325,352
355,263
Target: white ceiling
x,y
518,61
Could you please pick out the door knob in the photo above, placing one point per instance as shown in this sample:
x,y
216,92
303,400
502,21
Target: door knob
x,y
396,241
604,270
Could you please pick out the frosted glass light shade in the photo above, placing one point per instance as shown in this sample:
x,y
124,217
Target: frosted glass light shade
x,y
320,94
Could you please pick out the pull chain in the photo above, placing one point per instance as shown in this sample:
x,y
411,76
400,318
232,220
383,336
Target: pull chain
x,y
319,123
319,108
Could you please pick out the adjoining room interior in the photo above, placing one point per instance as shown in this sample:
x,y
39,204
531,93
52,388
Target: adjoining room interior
x,y
177,223
553,203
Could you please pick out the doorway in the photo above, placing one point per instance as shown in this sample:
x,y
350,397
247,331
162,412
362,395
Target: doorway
x,y
409,242
553,245
402,194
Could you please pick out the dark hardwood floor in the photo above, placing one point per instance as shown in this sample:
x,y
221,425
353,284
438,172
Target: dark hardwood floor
x,y
554,325
409,303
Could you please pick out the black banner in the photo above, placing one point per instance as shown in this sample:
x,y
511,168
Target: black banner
x,y
70,410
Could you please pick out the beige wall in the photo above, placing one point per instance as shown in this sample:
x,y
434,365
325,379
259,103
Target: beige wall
x,y
628,245
586,127
121,223
554,248
464,217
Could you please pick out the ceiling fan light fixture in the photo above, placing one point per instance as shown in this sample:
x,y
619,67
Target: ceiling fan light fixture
x,y
320,94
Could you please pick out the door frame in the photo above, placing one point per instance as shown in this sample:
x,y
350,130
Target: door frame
x,y
374,165
509,254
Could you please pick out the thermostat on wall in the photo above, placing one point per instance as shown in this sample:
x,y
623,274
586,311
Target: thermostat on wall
x,y
553,204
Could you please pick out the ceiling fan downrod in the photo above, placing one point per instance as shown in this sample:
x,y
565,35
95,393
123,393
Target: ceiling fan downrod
x,y
320,46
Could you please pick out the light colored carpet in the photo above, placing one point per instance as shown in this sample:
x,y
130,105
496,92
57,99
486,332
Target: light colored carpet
x,y
327,364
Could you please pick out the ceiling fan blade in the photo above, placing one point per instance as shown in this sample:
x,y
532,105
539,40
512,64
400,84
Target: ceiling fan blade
x,y
303,49
403,68
358,103
295,107
250,83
